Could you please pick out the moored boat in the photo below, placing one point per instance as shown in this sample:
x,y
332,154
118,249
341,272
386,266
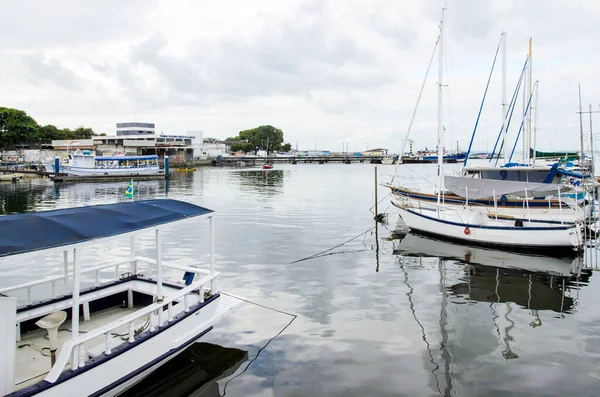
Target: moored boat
x,y
132,323
85,163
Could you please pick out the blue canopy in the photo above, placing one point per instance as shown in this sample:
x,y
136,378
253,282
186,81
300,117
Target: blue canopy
x,y
123,158
34,231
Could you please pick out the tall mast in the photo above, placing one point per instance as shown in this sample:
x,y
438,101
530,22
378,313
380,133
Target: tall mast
x,y
529,93
581,158
534,146
504,104
440,141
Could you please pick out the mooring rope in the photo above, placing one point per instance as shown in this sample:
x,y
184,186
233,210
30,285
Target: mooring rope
x,y
294,317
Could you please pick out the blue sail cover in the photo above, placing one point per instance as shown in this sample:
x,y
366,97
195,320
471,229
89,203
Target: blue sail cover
x,y
35,231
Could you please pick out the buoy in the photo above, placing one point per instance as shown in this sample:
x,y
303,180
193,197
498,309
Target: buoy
x,y
467,230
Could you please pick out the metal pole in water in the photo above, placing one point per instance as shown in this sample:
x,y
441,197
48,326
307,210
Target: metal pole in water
x,y
376,213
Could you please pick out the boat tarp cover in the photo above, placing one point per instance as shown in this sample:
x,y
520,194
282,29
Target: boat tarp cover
x,y
35,231
474,188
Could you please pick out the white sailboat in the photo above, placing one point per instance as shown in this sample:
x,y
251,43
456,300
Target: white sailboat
x,y
473,224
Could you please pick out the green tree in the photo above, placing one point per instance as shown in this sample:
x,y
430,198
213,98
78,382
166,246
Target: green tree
x,y
286,147
83,133
48,133
16,127
258,138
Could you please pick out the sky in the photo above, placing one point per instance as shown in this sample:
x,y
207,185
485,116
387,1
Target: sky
x,y
329,73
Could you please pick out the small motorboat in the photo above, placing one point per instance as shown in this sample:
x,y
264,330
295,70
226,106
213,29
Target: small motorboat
x,y
267,166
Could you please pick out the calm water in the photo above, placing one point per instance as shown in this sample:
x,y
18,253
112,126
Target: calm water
x,y
377,316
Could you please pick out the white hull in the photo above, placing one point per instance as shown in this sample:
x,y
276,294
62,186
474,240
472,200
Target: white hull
x,y
83,171
475,227
546,213
116,375
387,161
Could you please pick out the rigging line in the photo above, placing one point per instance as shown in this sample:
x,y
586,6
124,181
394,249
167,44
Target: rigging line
x,y
370,209
332,248
512,110
412,119
294,317
508,111
522,122
483,101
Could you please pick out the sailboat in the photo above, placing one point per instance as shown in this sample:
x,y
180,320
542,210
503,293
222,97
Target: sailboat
x,y
472,223
552,207
267,165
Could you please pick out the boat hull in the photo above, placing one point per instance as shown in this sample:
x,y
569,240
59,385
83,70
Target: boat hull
x,y
112,374
532,236
83,171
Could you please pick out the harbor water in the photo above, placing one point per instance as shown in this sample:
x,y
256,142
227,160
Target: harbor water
x,y
340,306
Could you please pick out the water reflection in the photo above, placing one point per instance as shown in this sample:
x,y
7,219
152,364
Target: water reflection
x,y
266,182
488,303
22,196
193,373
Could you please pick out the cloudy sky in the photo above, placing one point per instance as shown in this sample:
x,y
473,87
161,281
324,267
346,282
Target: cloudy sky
x,y
324,71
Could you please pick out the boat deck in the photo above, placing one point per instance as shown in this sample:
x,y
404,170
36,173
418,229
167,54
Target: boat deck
x,y
33,364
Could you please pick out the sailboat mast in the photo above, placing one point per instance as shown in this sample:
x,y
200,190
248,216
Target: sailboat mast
x,y
504,104
530,92
440,141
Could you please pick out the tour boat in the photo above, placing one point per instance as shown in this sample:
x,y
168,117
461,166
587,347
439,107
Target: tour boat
x,y
115,332
85,163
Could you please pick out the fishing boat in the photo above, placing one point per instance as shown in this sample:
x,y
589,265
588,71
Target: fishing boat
x,y
102,339
85,163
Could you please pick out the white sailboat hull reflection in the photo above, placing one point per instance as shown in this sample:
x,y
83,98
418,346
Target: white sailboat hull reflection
x,y
415,245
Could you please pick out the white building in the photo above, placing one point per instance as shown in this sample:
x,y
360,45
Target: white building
x,y
212,147
198,144
135,128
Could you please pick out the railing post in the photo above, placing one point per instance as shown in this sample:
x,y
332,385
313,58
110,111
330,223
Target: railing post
x,y
159,291
66,268
131,332
107,341
75,307
152,321
170,312
212,252
53,289
132,255
81,355
186,304
97,278
28,296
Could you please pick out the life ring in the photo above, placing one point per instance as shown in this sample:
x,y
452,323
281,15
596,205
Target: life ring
x,y
467,230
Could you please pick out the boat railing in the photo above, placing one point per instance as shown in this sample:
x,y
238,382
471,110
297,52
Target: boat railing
x,y
117,265
74,349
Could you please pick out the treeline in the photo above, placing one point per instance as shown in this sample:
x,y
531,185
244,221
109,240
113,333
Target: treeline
x,y
265,137
17,128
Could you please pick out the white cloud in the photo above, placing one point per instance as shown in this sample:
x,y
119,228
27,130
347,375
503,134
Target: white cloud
x,y
325,72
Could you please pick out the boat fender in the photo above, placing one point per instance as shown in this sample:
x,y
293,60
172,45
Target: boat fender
x,y
467,230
